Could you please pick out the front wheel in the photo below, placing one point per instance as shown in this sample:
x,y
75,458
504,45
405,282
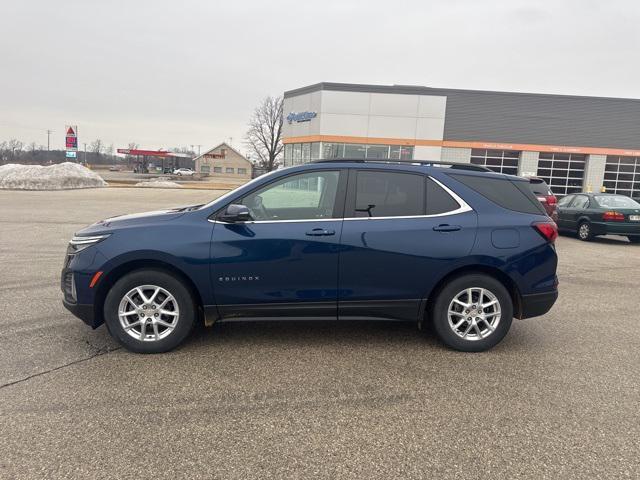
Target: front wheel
x,y
472,313
149,311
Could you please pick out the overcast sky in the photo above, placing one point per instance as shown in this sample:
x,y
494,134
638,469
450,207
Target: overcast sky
x,y
174,73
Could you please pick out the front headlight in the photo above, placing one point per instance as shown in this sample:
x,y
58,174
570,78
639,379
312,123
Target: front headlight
x,y
79,243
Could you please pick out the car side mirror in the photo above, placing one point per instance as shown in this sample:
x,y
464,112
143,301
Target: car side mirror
x,y
236,213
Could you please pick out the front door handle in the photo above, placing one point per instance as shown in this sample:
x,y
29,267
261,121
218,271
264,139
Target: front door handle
x,y
447,228
320,232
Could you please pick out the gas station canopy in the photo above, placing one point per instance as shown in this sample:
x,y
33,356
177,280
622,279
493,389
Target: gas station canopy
x,y
152,153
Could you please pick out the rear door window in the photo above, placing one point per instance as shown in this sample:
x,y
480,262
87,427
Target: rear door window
x,y
581,201
388,194
565,201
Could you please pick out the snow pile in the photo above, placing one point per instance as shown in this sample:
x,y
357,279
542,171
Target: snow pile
x,y
62,176
158,184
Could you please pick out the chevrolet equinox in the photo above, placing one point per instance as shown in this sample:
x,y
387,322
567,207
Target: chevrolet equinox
x,y
451,246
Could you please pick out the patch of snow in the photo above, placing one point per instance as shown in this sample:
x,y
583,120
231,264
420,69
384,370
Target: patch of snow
x,y
159,184
62,176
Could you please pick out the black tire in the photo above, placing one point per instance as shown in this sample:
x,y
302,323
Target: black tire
x,y
440,317
634,239
185,321
585,232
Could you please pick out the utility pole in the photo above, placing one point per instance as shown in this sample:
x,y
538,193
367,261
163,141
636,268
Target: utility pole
x,y
48,135
85,153
198,149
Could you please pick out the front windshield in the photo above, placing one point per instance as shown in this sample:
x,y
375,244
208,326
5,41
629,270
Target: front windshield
x,y
616,201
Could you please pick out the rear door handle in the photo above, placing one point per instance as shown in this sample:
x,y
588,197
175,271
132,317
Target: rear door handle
x,y
320,232
447,228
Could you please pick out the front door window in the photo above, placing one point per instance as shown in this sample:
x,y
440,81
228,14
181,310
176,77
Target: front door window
x,y
307,196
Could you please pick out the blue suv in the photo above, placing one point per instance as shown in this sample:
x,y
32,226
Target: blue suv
x,y
450,246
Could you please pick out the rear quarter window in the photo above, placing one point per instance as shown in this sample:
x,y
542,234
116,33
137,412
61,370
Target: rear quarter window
x,y
438,200
512,195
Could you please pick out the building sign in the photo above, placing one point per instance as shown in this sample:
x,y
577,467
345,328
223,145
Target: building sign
x,y
214,155
301,117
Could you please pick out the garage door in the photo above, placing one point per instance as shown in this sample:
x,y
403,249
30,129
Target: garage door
x,y
501,161
563,172
622,175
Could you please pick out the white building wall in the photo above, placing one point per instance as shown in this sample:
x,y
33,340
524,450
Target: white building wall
x,y
450,154
427,153
529,163
594,173
369,115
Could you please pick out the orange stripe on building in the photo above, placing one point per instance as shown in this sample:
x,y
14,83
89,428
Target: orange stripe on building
x,y
464,144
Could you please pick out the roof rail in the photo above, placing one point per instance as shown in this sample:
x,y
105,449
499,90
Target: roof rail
x,y
428,163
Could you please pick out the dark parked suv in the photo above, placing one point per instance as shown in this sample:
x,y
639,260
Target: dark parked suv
x,y
450,245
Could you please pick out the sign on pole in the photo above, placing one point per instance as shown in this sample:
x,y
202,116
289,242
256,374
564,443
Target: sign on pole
x,y
71,140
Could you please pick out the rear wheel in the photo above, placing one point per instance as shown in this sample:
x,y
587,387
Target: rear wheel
x,y
149,311
585,232
472,313
634,239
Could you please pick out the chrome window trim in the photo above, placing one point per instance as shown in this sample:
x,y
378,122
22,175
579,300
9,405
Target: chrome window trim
x,y
463,208
279,221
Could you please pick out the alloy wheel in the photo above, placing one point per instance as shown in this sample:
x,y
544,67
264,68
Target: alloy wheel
x,y
148,313
474,313
583,231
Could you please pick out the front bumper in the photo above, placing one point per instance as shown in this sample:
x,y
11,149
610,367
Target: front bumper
x,y
537,304
83,312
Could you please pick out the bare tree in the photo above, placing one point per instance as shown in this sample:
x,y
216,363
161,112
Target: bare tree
x,y
15,147
96,146
130,158
108,151
264,137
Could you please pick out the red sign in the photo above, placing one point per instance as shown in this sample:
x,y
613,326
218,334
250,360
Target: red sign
x,y
71,138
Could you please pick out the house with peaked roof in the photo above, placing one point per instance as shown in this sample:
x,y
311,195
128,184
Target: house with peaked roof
x,y
223,161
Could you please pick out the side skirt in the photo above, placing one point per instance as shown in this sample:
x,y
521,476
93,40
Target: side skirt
x,y
399,310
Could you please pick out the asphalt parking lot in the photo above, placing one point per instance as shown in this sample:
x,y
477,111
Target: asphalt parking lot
x,y
558,398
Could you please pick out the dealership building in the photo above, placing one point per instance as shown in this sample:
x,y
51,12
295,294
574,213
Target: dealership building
x,y
575,143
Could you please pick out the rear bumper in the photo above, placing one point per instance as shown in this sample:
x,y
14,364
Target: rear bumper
x,y
83,312
537,304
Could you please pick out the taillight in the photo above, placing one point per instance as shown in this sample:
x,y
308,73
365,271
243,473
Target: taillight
x,y
552,200
613,216
549,230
